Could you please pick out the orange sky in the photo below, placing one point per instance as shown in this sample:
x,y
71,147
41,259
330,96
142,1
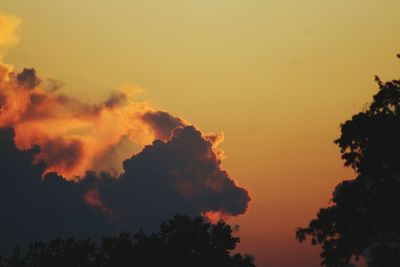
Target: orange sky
x,y
277,77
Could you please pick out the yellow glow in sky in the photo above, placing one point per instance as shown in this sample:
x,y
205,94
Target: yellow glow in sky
x,y
277,77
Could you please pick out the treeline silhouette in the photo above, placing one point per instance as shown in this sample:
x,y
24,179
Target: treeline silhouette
x,y
364,220
182,241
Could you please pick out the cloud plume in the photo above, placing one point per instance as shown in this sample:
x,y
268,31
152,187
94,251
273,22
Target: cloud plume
x,y
182,175
8,27
62,173
73,135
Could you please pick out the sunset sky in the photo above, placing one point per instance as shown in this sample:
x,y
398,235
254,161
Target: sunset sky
x,y
277,77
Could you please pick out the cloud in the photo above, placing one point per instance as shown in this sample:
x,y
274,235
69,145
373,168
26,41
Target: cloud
x,y
61,170
66,154
8,27
162,123
50,119
116,100
28,78
182,175
74,135
35,208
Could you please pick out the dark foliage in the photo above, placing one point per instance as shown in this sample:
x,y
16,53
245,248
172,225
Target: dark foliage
x,y
182,241
363,219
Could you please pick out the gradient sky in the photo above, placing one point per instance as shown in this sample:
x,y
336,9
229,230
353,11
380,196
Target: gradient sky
x,y
276,76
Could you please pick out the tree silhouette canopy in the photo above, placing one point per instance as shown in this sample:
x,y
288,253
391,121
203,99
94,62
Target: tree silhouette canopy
x,y
363,219
182,241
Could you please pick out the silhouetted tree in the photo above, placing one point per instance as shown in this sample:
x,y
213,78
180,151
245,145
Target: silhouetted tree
x,y
17,260
62,253
183,241
363,219
1,261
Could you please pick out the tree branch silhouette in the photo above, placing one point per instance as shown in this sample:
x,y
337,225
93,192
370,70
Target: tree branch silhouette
x,y
363,219
182,241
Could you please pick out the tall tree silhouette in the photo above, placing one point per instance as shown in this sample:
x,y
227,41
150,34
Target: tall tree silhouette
x,y
363,219
182,241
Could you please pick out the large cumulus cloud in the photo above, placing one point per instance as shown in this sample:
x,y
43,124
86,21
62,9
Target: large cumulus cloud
x,y
181,175
48,191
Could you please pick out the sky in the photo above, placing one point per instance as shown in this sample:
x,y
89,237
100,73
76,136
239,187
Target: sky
x,y
276,77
